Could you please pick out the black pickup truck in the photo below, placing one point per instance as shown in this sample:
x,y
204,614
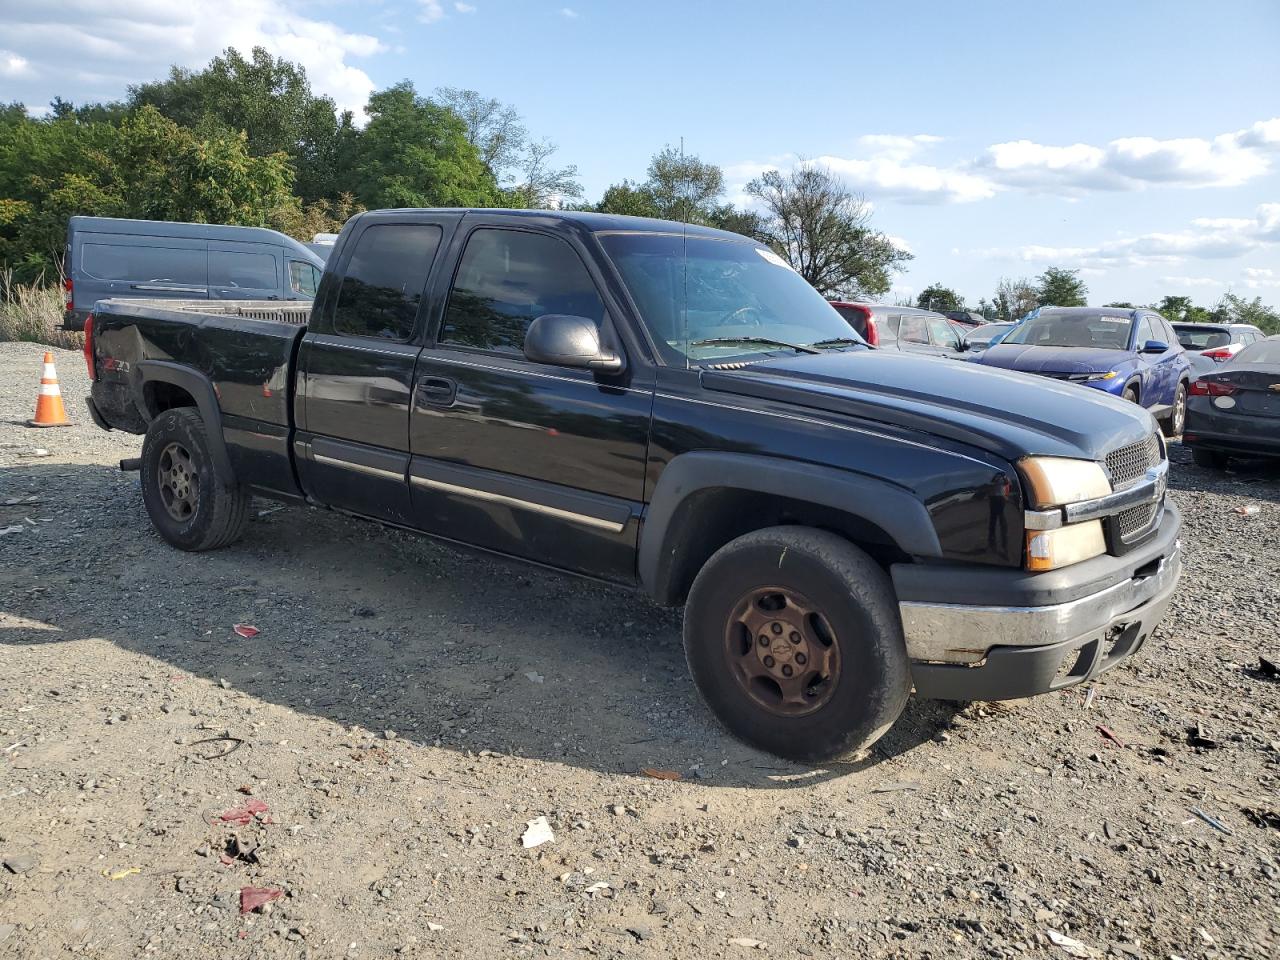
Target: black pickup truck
x,y
674,408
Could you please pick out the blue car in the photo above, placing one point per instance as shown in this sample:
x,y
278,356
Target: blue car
x,y
1132,354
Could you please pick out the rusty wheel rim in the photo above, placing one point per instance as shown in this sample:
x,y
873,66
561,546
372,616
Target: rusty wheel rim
x,y
178,482
782,651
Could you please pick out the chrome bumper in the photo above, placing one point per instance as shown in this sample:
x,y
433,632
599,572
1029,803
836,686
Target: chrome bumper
x,y
955,633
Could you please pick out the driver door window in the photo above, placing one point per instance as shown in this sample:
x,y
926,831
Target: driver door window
x,y
506,280
1146,331
944,337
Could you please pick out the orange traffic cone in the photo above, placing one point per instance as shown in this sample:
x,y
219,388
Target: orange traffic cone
x,y
49,409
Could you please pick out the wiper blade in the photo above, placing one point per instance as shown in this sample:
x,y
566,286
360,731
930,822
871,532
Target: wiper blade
x,y
837,342
765,341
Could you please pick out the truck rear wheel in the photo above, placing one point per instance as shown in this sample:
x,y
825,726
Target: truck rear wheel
x,y
189,504
794,640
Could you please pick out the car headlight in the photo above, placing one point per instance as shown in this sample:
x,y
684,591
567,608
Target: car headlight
x,y
1109,375
1056,482
1051,549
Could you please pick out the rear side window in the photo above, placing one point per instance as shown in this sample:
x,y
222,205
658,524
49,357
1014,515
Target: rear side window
x,y
507,279
139,264
243,270
914,330
384,280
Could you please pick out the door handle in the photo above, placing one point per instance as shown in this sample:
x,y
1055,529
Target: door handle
x,y
436,392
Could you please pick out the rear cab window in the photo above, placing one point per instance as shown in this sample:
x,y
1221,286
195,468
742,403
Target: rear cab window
x,y
384,280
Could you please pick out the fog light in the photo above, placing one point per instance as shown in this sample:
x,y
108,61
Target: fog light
x,y
1051,549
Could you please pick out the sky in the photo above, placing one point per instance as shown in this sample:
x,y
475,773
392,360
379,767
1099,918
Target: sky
x,y
1136,141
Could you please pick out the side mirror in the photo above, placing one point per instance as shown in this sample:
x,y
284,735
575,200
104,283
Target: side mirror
x,y
1155,346
567,341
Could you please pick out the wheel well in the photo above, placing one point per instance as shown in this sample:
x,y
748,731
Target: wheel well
x,y
160,395
711,518
1135,385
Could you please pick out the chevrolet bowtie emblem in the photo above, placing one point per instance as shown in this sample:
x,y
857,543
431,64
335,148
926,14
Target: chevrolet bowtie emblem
x,y
1275,387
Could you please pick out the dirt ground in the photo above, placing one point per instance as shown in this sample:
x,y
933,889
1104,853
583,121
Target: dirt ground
x,y
405,711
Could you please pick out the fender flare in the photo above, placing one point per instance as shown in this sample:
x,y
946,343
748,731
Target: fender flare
x,y
202,390
890,507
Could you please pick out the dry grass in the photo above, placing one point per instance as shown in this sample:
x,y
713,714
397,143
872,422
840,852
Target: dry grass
x,y
33,314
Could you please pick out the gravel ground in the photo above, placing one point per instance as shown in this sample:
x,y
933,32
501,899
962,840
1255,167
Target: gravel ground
x,y
406,710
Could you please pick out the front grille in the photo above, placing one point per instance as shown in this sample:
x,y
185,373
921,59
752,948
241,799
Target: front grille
x,y
1135,520
1128,465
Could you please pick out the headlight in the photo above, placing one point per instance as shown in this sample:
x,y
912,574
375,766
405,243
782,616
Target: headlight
x,y
1051,549
1055,481
1109,375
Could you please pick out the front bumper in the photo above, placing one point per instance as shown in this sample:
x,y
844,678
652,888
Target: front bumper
x,y
1002,651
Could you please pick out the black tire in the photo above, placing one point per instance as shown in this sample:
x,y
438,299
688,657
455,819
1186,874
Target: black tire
x,y
211,513
1130,394
1210,459
1172,425
858,624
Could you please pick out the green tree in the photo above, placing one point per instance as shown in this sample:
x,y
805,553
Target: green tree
x,y
1015,298
683,187
1182,310
271,101
824,231
939,298
1059,287
628,199
1233,308
1122,304
415,153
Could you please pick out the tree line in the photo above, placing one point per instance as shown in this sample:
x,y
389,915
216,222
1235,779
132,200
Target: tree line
x,y
246,141
1014,298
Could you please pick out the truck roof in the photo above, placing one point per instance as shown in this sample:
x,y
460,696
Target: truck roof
x,y
194,231
594,222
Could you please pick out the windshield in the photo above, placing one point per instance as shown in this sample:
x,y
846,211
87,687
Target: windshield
x,y
708,299
1074,330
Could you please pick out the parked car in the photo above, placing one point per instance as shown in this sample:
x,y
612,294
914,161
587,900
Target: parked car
x,y
671,407
107,257
986,336
1208,344
1235,410
1132,354
902,328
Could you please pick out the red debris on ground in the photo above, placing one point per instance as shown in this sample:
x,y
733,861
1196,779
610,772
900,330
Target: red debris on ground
x,y
246,630
251,898
245,815
1110,735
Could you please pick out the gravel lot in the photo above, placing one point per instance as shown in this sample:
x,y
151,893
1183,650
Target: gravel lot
x,y
406,710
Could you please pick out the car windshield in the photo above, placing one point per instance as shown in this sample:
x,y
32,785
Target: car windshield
x,y
1202,338
708,299
1097,330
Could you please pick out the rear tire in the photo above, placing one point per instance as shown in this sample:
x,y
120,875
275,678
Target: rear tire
x,y
794,639
1172,425
1209,459
190,506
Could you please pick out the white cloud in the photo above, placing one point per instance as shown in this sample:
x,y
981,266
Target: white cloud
x,y
1259,273
569,13
1255,278
12,65
889,177
464,8
901,243
1207,238
1192,281
431,12
119,42
1133,163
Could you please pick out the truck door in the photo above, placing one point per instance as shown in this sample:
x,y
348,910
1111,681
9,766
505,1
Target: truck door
x,y
356,367
532,460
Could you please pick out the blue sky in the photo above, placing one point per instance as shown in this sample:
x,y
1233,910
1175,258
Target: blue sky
x,y
1137,141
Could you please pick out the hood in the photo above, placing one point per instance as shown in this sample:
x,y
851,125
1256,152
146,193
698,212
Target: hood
x,y
1009,414
1018,356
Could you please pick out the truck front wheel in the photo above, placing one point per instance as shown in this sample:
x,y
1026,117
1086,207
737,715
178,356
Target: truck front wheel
x,y
794,640
189,504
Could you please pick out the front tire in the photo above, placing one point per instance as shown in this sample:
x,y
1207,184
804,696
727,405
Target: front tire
x,y
190,505
1130,394
794,640
1177,419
